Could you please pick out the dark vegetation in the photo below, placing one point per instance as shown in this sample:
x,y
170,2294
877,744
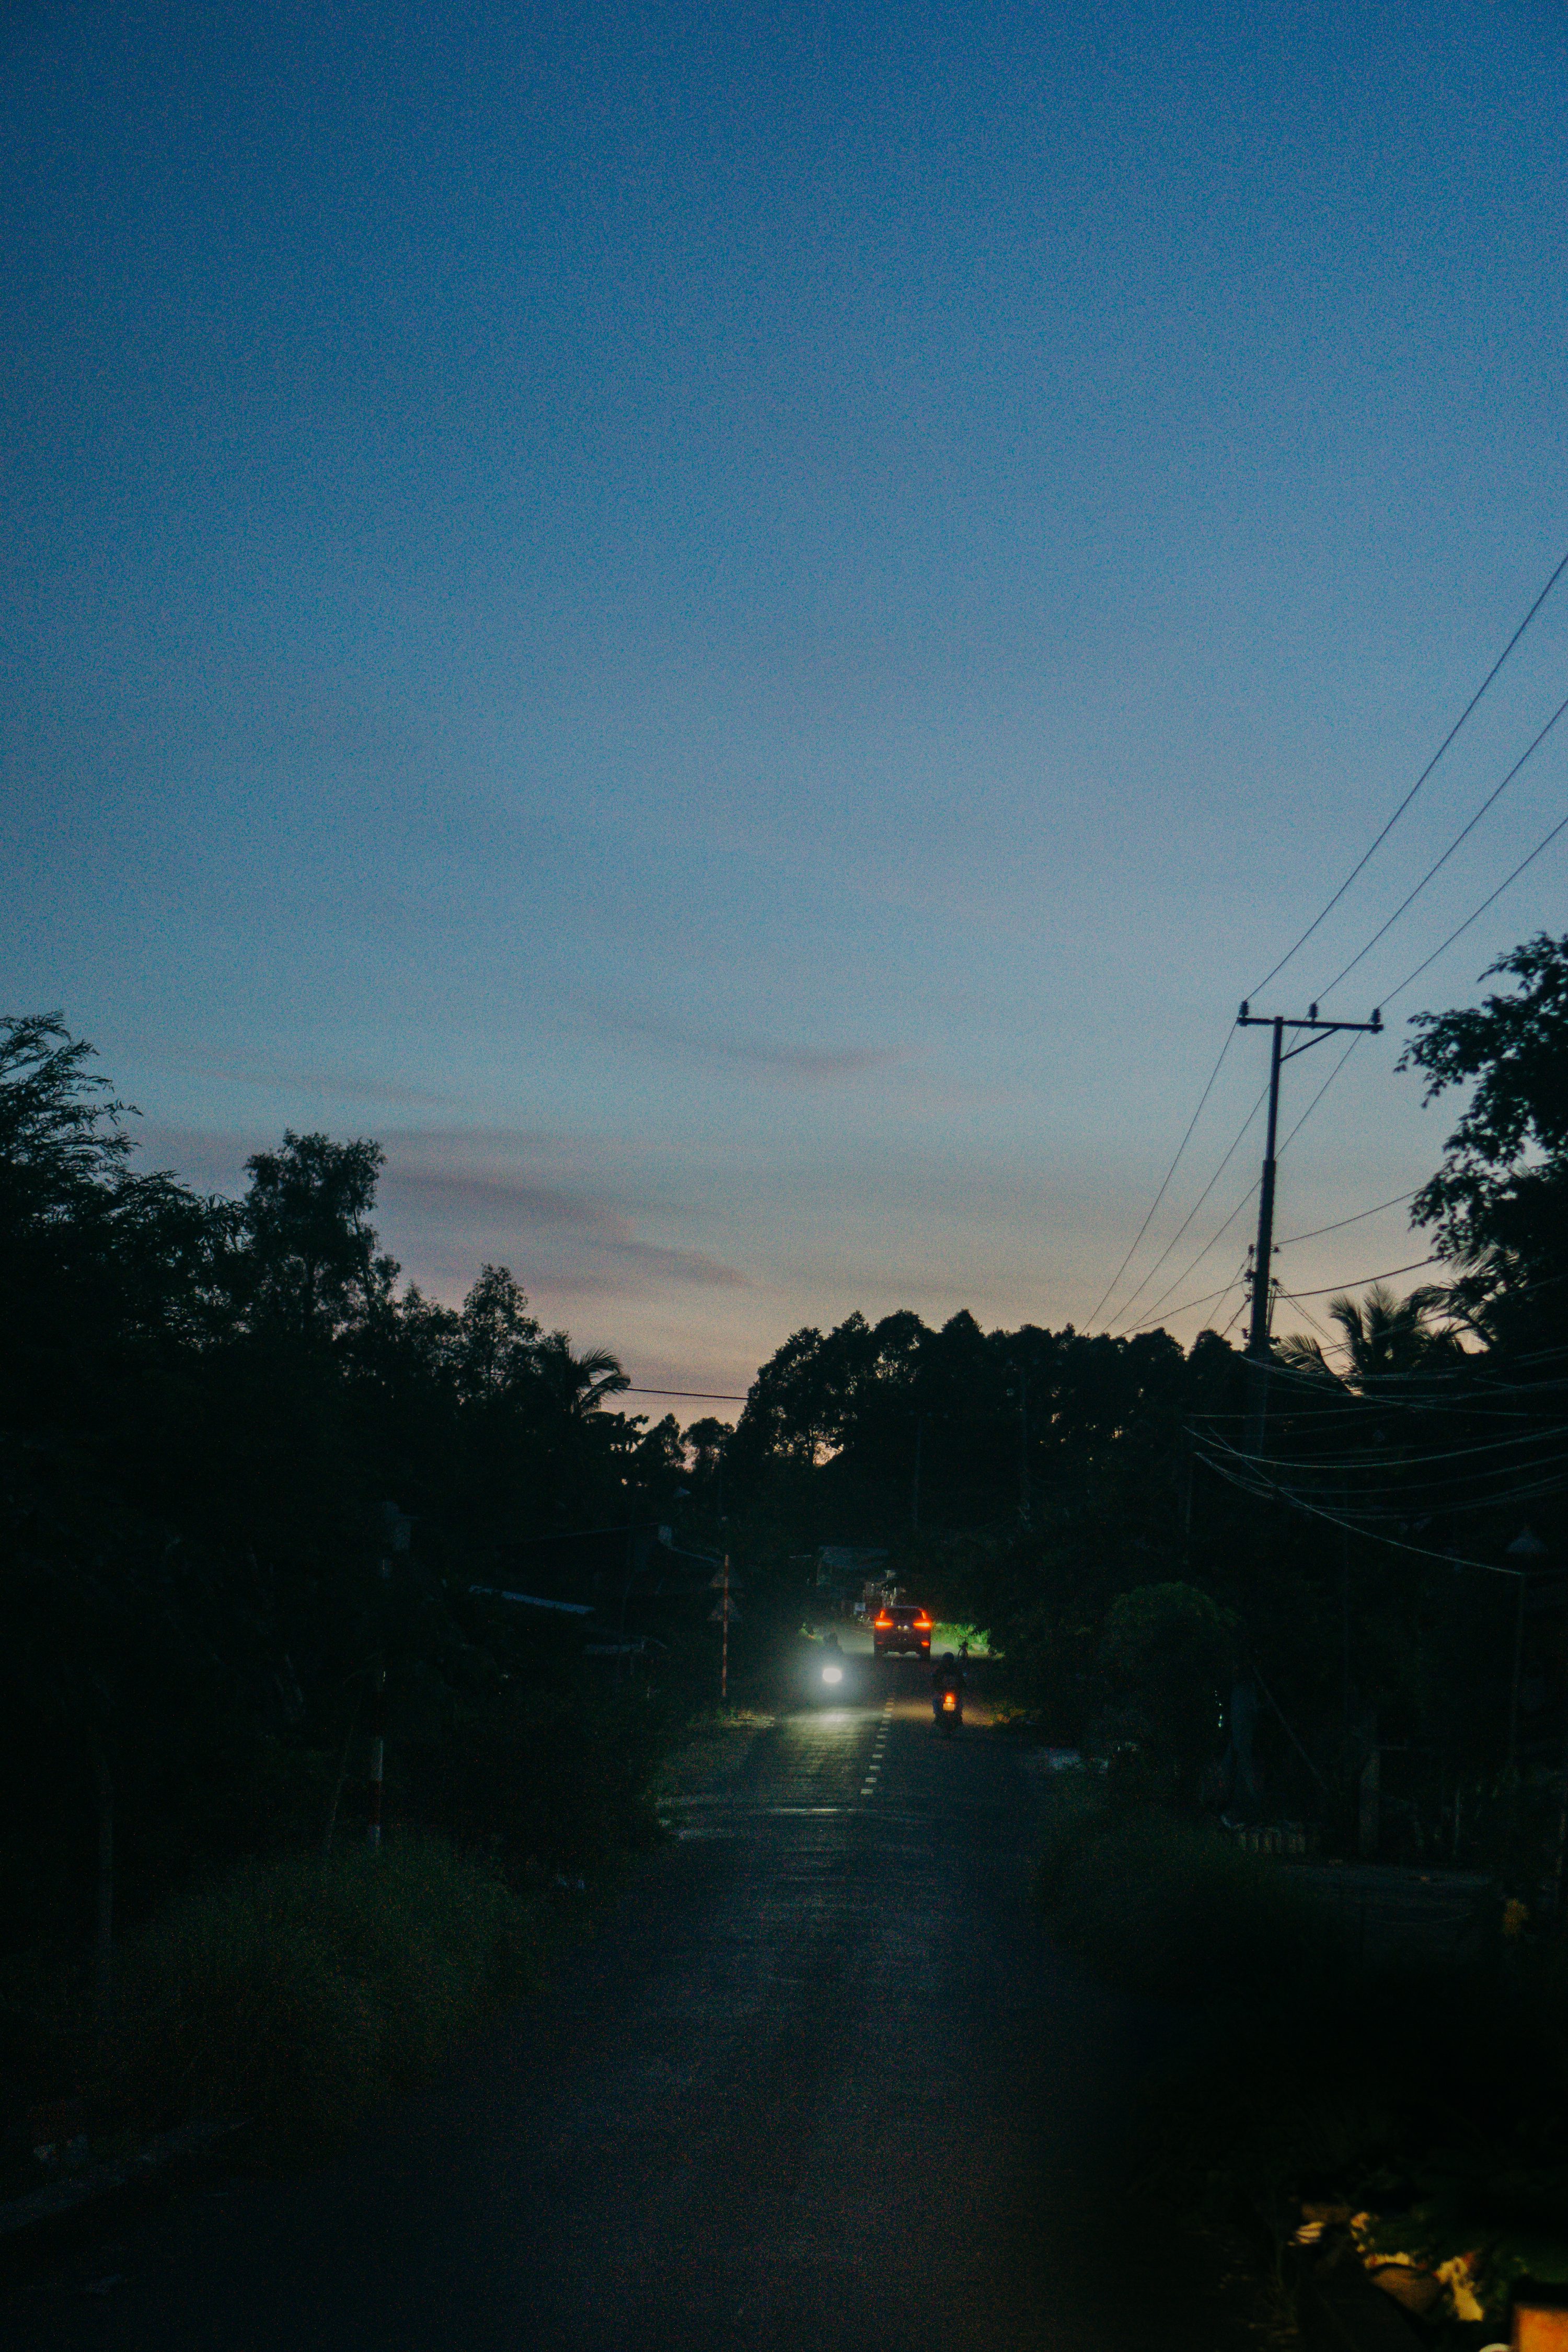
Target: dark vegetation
x,y
1410,2102
244,1475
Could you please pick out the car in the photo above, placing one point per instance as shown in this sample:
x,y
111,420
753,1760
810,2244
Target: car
x,y
900,1625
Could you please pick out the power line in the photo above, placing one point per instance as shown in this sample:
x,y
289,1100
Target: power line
x,y
1196,1263
1121,1311
1314,926
1339,1222
1535,1435
1437,1393
1300,942
1094,1313
1465,830
1120,1318
1223,1292
1356,1281
1544,844
1322,1090
1188,1303
1240,1311
1424,1390
1193,1264
698,1396
1415,787
1261,1483
1326,1337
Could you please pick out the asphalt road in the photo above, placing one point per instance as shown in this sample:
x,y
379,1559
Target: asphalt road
x,y
817,2082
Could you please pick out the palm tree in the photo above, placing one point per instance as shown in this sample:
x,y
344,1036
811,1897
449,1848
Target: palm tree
x,y
1384,1336
579,1380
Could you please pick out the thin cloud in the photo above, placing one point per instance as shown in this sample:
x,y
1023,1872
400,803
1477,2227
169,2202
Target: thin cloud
x,y
333,1086
813,1065
563,1227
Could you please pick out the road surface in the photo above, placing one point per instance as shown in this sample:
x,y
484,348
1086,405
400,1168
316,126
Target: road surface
x,y
817,2082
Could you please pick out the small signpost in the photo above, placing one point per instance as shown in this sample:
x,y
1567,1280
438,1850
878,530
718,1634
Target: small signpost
x,y
725,1614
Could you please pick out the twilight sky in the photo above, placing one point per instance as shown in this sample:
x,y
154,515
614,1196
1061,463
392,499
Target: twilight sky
x,y
738,628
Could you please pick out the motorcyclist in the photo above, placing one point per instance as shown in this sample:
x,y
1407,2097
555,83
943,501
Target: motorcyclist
x,y
946,1676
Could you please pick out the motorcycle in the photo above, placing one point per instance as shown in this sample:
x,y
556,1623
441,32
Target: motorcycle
x,y
948,1709
831,1679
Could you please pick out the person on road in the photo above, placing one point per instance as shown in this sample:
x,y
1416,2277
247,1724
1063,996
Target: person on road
x,y
948,1675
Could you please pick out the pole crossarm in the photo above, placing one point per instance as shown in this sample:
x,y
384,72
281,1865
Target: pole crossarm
x,y
1248,1019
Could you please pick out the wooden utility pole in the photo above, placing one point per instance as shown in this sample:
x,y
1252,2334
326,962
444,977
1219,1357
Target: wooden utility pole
x,y
1263,1261
377,1755
722,1614
378,1697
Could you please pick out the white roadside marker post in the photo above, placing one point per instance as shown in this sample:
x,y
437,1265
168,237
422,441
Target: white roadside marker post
x,y
721,1615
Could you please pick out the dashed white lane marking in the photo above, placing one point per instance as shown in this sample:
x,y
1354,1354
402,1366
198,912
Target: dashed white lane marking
x,y
873,1770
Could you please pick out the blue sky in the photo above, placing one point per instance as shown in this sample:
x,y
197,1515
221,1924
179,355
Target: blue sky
x,y
738,629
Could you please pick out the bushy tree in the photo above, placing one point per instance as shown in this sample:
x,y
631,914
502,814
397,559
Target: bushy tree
x,y
1498,1206
1168,1652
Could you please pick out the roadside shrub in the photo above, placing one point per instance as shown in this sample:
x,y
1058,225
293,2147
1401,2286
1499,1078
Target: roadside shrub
x,y
1165,1652
1427,2103
1165,1905
544,1780
1423,2097
295,1992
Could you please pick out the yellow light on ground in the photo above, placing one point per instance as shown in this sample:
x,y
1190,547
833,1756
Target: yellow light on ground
x,y
1540,2314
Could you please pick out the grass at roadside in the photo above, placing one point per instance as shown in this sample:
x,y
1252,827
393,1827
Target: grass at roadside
x,y
717,1742
1166,1908
296,1993
946,1636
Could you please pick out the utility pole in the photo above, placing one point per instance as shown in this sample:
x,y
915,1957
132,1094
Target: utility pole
x,y
377,1755
725,1613
1263,1261
399,1530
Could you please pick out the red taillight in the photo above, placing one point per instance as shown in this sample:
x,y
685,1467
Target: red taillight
x,y
882,1624
923,1620
949,1701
